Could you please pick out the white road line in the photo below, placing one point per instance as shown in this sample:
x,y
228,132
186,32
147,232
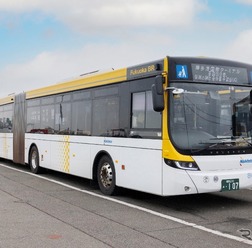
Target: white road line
x,y
193,225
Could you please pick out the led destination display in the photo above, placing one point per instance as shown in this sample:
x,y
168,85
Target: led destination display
x,y
219,74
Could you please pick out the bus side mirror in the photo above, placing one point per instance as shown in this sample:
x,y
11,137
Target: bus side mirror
x,y
158,94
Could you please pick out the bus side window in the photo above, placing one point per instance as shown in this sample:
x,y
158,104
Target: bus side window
x,y
1,120
81,113
6,116
63,118
81,120
105,116
138,110
47,115
143,115
33,119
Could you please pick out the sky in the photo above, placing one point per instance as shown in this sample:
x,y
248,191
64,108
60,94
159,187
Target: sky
x,y
43,42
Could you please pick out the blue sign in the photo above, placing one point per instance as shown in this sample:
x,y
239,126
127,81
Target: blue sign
x,y
182,71
251,76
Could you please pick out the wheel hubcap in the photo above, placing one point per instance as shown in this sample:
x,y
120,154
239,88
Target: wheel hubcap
x,y
106,175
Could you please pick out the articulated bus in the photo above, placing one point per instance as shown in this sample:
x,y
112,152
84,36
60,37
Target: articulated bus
x,y
174,126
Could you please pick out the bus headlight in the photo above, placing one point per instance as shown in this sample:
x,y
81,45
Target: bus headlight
x,y
182,165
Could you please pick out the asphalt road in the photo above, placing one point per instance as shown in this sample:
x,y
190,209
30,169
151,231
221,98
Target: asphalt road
x,y
57,210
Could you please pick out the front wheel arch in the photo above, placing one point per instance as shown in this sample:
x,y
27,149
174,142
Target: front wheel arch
x,y
34,160
98,156
105,174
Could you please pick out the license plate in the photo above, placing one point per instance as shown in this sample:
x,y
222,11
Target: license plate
x,y
229,184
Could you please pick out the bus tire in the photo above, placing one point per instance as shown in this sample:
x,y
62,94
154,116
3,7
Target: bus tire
x,y
34,160
106,176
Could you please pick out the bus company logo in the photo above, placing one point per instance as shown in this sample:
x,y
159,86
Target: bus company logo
x,y
182,71
245,161
106,141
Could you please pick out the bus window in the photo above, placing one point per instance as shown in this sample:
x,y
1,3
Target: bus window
x,y
47,119
33,119
81,95
105,116
6,118
143,115
1,119
63,118
81,120
138,110
153,118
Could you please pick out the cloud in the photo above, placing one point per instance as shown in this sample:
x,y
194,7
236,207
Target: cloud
x,y
249,2
99,14
52,67
135,30
240,48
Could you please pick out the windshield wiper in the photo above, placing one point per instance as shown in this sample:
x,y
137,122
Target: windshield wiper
x,y
209,146
244,139
233,139
227,141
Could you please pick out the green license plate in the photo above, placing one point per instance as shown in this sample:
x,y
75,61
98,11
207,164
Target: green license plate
x,y
229,184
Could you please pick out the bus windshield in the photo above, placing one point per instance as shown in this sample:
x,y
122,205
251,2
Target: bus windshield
x,y
207,117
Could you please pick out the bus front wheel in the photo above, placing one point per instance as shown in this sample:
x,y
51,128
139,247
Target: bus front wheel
x,y
106,176
34,160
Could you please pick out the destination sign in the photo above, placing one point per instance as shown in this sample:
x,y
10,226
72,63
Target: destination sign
x,y
219,74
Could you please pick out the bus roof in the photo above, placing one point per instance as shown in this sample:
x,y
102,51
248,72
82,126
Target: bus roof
x,y
6,100
82,82
99,78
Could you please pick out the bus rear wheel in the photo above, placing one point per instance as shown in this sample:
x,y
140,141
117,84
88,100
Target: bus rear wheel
x,y
34,160
106,176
